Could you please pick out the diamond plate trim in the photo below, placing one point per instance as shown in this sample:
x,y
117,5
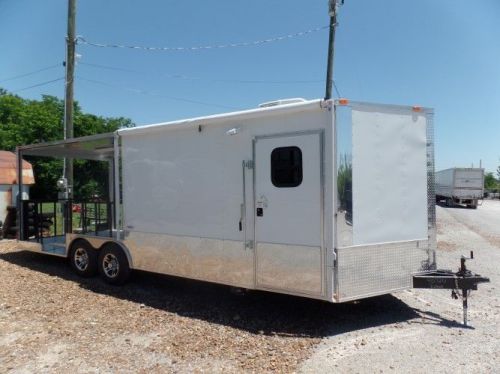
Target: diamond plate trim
x,y
369,270
431,195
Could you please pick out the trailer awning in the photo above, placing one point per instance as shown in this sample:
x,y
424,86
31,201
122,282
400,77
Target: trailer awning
x,y
94,147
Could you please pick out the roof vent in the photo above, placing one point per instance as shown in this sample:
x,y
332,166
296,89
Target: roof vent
x,y
282,102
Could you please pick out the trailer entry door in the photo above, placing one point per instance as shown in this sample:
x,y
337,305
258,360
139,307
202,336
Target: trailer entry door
x,y
288,199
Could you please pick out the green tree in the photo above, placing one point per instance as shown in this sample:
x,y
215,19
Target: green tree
x,y
24,121
490,182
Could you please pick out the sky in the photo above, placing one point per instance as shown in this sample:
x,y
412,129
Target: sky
x,y
442,54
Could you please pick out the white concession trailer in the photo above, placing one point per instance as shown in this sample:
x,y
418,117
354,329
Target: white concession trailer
x,y
460,186
331,200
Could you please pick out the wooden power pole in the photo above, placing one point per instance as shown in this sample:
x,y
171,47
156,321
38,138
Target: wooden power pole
x,y
68,101
333,7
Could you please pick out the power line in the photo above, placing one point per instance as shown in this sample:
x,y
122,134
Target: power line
x,y
38,85
336,89
149,93
82,40
30,73
185,77
107,67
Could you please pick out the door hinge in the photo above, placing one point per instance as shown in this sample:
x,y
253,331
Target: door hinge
x,y
249,244
248,164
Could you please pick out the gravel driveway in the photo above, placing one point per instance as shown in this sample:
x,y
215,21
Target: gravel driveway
x,y
53,321
433,339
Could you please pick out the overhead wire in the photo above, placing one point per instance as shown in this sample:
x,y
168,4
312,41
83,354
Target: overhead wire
x,y
30,73
150,93
184,77
82,40
38,85
336,89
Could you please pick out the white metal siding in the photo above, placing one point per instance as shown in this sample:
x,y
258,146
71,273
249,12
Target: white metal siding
x,y
389,176
183,190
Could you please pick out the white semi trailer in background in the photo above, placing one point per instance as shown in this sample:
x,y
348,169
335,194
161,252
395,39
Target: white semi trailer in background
x,y
460,186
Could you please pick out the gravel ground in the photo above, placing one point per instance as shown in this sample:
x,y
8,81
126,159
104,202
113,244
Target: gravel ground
x,y
53,321
432,338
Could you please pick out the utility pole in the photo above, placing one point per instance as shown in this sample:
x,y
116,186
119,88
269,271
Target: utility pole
x,y
68,101
333,6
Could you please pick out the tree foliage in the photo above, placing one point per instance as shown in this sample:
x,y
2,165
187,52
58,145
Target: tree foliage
x,y
24,121
490,183
344,181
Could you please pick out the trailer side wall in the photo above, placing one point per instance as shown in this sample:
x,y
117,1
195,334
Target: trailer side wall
x,y
186,190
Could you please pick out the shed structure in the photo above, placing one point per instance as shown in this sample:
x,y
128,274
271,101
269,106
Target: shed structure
x,y
8,181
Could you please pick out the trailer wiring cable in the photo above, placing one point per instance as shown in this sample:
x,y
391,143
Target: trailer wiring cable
x,y
186,77
83,40
149,93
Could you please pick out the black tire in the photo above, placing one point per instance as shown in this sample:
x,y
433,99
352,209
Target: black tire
x,y
83,259
113,264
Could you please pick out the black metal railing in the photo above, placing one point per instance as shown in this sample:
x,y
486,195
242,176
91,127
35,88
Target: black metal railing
x,y
50,218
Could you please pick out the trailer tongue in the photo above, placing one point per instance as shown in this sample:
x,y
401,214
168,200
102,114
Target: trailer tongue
x,y
461,282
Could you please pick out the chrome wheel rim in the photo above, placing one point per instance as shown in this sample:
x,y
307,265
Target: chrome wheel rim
x,y
110,265
81,259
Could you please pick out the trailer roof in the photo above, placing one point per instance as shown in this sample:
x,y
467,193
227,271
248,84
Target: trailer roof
x,y
94,147
266,111
101,146
218,118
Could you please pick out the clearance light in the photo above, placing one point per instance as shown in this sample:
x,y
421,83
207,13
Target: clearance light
x,y
417,109
343,101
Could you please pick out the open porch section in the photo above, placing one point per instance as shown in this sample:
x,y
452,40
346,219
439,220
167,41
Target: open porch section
x,y
47,221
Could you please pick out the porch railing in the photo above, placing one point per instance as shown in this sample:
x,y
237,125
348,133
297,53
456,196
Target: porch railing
x,y
43,219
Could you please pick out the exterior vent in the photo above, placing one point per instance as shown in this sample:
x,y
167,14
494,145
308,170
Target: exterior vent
x,y
282,102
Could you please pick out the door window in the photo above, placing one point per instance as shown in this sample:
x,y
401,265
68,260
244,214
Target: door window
x,y
286,167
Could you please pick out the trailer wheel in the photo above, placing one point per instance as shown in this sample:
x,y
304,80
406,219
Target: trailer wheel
x,y
83,258
113,264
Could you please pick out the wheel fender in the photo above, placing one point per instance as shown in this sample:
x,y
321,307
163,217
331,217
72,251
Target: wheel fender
x,y
123,248
68,247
